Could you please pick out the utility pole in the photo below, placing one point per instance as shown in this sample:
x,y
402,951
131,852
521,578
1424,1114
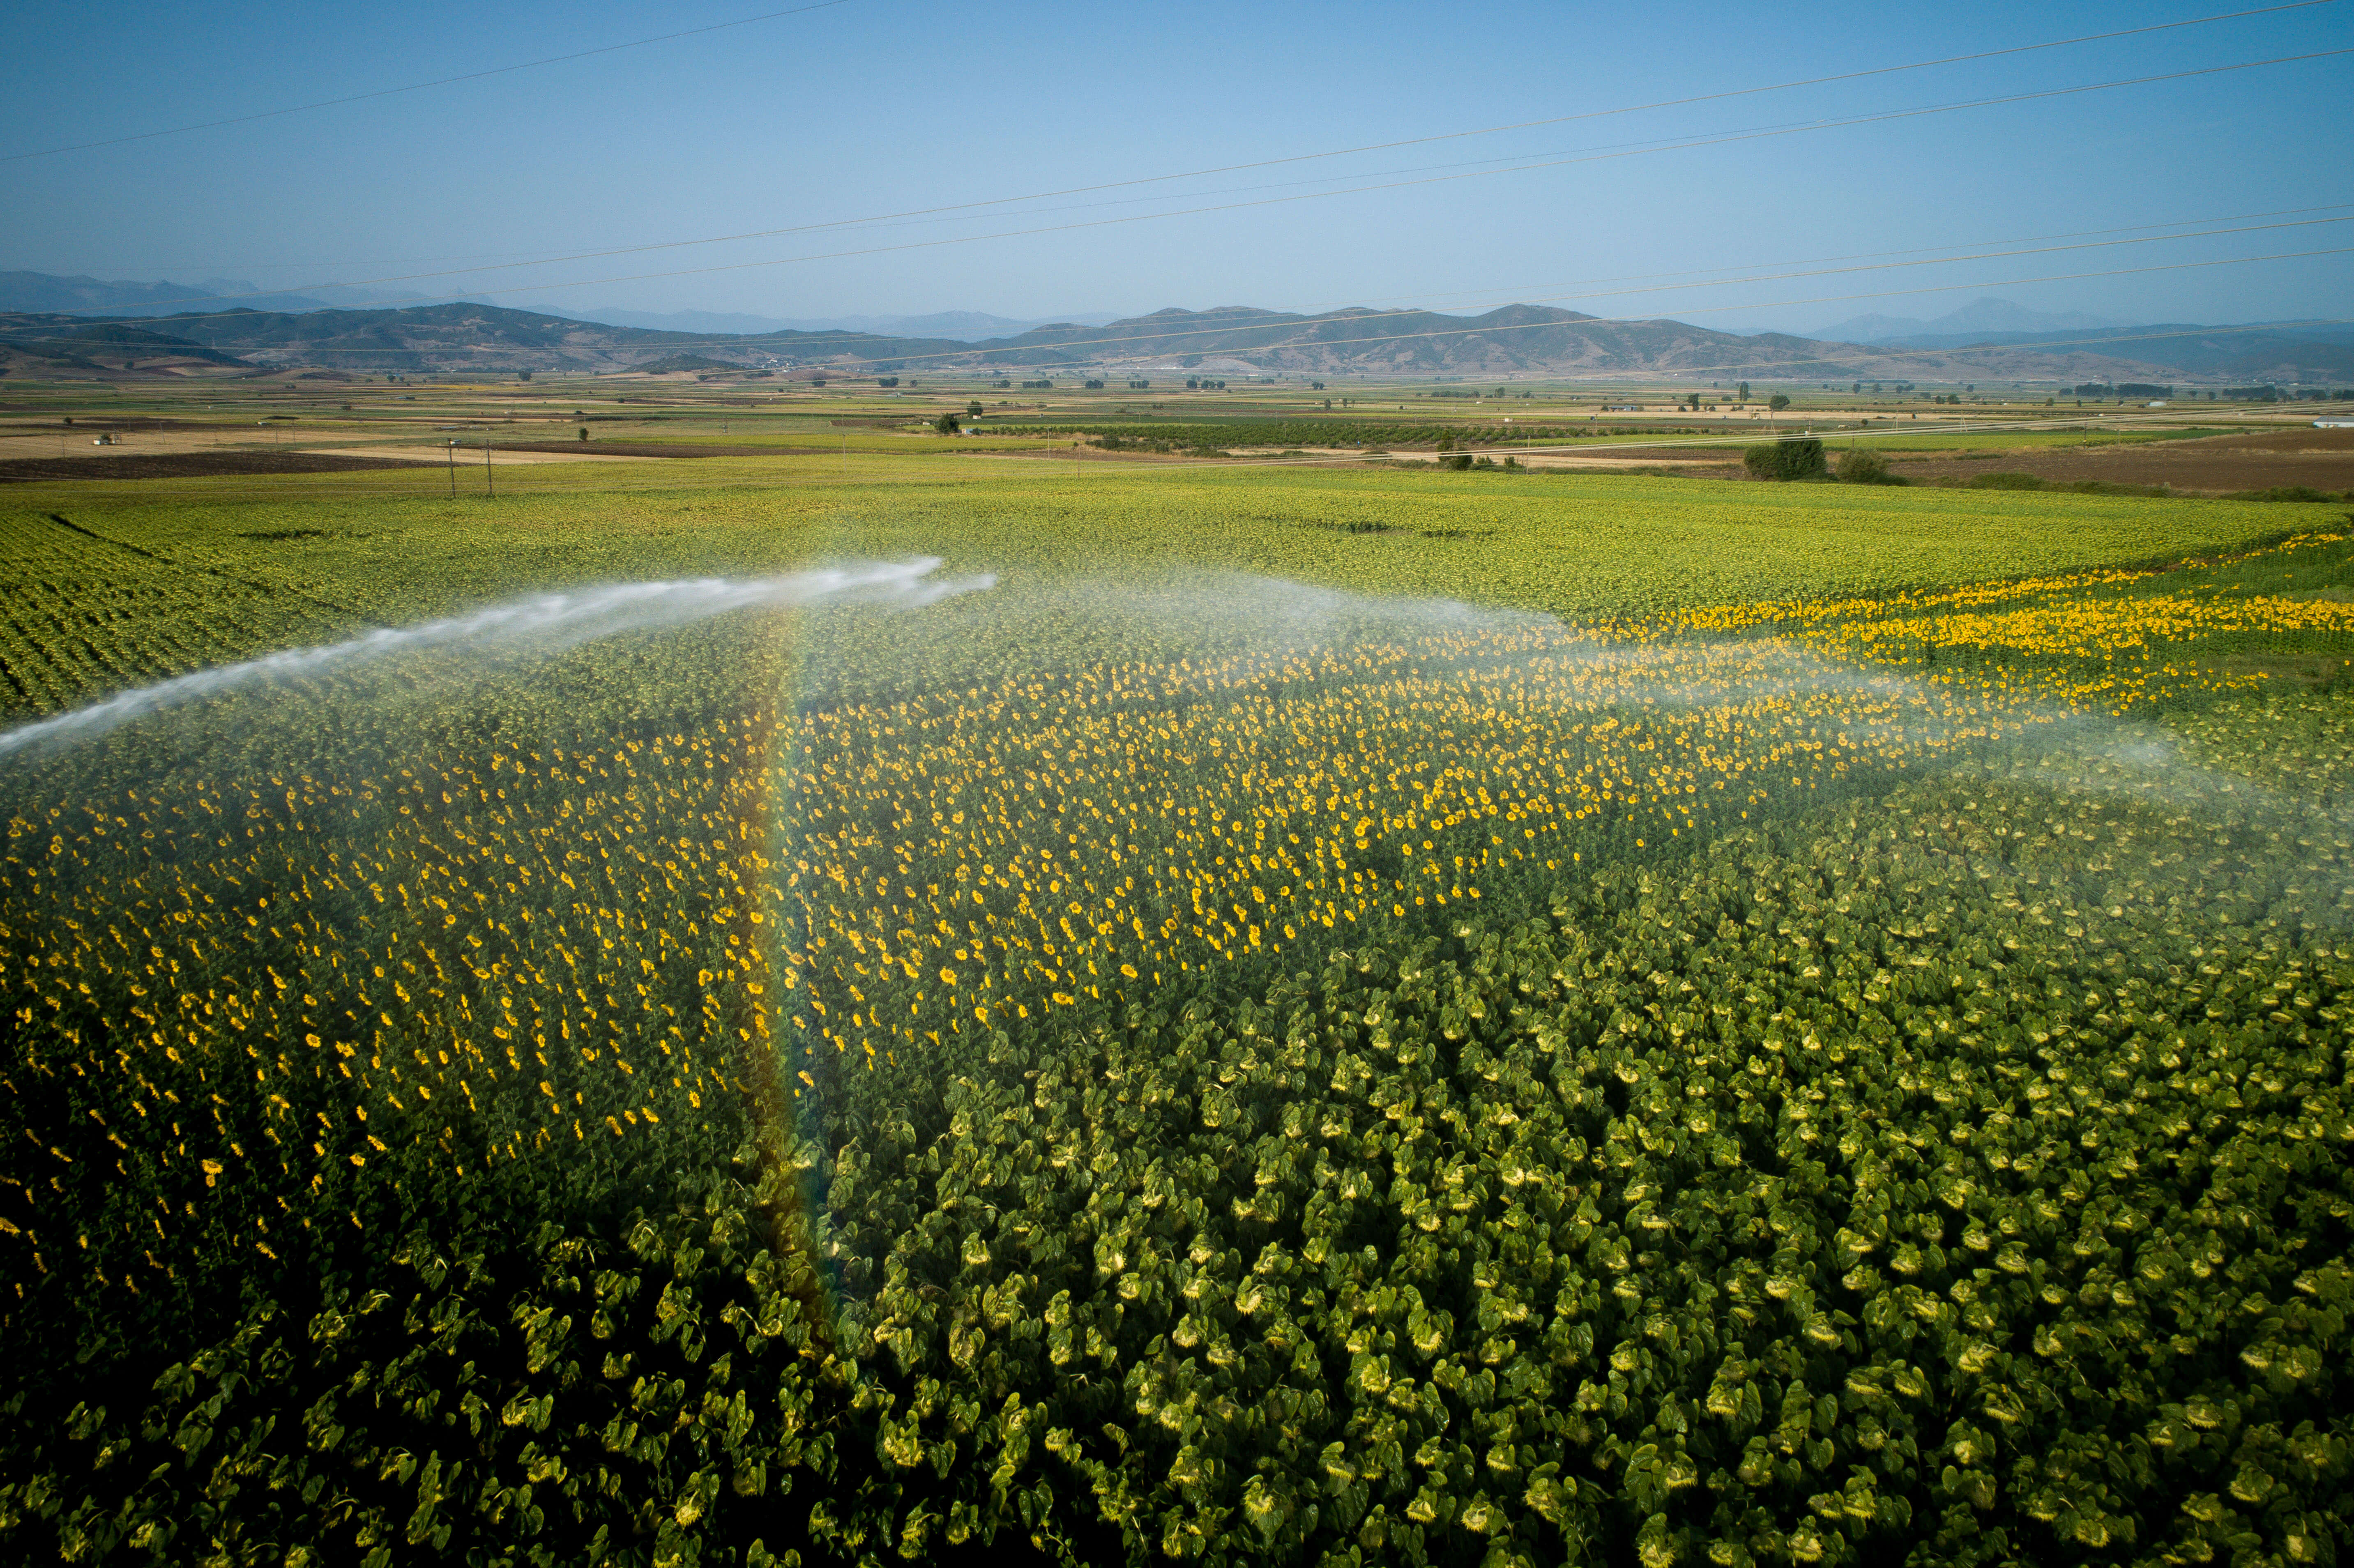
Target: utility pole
x,y
453,471
489,487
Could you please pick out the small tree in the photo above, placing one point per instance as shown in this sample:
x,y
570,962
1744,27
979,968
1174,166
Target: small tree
x,y
1778,402
1858,466
1744,391
1786,460
973,408
584,432
946,424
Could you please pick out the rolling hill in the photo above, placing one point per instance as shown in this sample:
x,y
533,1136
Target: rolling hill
x,y
1234,340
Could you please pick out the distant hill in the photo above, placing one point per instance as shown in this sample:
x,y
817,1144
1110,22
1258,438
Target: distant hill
x,y
1986,339
963,326
1515,339
48,293
2236,353
74,341
701,322
419,338
2282,354
1971,322
1231,340
671,361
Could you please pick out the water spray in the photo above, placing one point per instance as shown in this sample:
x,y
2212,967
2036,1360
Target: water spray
x,y
540,623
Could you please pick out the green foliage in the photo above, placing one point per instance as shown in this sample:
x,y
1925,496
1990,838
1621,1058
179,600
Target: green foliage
x,y
1964,1169
125,591
2290,493
1326,433
1797,458
675,361
2011,480
1955,1165
1862,465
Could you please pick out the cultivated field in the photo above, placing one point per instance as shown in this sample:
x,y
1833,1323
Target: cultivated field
x,y
1227,1012
2316,460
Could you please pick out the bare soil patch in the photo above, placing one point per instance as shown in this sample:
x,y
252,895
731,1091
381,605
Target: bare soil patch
x,y
2295,438
188,465
2215,466
659,449
471,456
125,422
1665,462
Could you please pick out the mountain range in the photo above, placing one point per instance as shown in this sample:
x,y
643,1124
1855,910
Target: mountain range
x,y
49,293
1971,322
1228,341
80,296
965,327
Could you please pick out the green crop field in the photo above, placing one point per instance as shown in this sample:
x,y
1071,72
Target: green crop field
x,y
290,559
1224,1013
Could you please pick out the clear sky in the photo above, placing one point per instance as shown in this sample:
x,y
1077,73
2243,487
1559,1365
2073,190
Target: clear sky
x,y
867,109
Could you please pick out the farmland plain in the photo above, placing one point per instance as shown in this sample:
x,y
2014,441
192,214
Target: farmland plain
x,y
1300,1015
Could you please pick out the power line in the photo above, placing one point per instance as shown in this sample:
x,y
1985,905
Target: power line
x,y
1425,141
1403,185
421,86
1382,146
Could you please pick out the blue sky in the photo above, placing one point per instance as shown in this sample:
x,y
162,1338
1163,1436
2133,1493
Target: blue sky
x,y
864,110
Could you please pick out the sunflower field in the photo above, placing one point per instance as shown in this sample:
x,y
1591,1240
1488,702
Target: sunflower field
x,y
1204,1067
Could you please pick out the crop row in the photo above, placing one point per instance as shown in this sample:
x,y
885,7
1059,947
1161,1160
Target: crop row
x,y
1430,1086
1309,432
1966,1168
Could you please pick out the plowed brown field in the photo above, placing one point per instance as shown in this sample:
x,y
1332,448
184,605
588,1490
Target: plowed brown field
x,y
2259,460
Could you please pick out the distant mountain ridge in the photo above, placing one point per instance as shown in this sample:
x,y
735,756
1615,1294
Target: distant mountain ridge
x,y
1980,316
965,327
2284,351
48,293
465,337
2252,354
